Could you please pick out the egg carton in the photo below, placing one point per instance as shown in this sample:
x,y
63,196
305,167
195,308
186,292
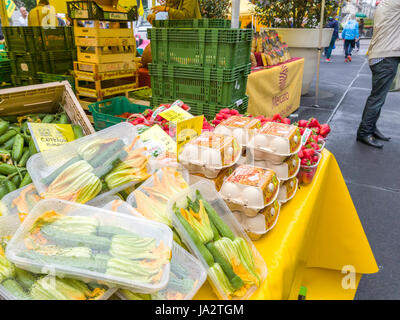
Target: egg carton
x,y
283,170
250,189
268,218
283,195
241,128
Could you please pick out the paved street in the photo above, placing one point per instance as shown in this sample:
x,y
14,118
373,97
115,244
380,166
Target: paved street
x,y
372,175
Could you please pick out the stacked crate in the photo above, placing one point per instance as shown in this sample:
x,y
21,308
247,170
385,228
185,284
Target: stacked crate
x,y
32,50
204,62
5,70
106,51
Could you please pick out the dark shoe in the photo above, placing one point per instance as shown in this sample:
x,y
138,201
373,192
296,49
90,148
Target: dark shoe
x,y
370,141
378,135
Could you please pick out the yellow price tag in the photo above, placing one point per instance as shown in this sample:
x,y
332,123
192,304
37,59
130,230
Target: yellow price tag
x,y
187,130
49,135
158,138
175,114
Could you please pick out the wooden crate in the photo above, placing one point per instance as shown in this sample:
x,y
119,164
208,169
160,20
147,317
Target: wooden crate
x,y
103,42
104,67
91,76
47,97
106,54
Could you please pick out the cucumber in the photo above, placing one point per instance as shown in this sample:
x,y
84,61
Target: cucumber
x,y
68,239
7,136
15,289
26,180
32,147
25,156
7,169
3,191
4,127
48,118
234,279
9,144
78,131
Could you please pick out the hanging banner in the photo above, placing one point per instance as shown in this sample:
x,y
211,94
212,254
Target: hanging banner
x,y
10,7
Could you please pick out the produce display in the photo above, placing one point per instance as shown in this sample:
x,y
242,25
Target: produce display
x,y
250,189
209,153
210,231
82,241
102,163
186,278
16,147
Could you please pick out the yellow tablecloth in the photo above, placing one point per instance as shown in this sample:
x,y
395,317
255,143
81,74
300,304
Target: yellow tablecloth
x,y
276,90
317,234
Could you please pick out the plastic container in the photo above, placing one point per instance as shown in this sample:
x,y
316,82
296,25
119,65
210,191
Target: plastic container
x,y
242,128
105,112
8,227
250,189
276,141
76,171
210,85
118,205
207,189
101,273
187,274
48,77
262,223
288,190
19,202
307,173
209,153
286,170
150,200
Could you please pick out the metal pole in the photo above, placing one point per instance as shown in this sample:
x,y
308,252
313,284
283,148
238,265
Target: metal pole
x,y
235,13
321,27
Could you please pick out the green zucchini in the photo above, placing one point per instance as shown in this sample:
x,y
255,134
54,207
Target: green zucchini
x,y
32,147
4,127
68,239
7,136
109,152
221,226
48,118
195,238
7,169
234,279
51,177
16,180
25,278
110,231
26,180
3,191
15,289
78,131
9,144
25,156
10,186
18,146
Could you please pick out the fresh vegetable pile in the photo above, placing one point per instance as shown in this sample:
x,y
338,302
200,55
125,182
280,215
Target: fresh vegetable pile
x,y
20,284
16,146
101,165
84,243
232,264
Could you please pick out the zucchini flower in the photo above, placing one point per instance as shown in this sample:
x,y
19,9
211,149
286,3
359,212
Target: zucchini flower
x,y
199,222
241,260
218,275
152,208
89,150
132,247
7,269
51,288
135,296
77,224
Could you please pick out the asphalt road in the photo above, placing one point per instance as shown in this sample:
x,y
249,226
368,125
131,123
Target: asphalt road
x,y
372,175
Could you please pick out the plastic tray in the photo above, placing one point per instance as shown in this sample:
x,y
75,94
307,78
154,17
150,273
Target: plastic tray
x,y
281,169
162,202
184,267
211,195
141,227
8,227
41,165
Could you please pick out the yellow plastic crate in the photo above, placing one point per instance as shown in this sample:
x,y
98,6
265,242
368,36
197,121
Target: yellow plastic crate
x,y
104,67
104,42
107,55
114,30
89,76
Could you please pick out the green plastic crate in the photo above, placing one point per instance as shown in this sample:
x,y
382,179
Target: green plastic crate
x,y
5,71
60,61
49,77
104,112
27,64
213,86
18,81
201,108
90,10
195,23
38,39
3,55
213,48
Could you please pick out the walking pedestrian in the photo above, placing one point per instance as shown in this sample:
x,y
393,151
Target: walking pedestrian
x,y
23,19
332,23
384,59
360,32
350,35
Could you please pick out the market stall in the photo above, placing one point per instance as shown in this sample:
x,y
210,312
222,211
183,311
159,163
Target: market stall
x,y
318,234
276,89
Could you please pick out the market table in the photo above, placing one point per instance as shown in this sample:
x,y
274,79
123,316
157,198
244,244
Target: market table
x,y
318,235
276,89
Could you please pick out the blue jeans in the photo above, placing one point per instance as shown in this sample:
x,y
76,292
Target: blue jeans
x,y
383,74
328,50
348,47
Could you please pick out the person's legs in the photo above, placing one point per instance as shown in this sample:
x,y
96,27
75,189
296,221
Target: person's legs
x,y
383,74
329,49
